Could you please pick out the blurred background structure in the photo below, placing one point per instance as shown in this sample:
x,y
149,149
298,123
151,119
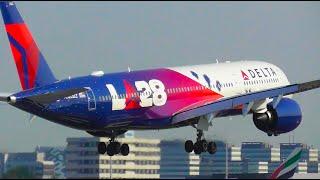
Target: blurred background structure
x,y
153,158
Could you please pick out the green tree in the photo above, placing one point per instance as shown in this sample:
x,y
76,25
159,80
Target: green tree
x,y
19,172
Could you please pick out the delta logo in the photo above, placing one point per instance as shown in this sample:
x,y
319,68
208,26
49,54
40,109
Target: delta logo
x,y
258,73
244,76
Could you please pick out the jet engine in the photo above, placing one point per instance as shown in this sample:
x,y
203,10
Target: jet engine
x,y
282,119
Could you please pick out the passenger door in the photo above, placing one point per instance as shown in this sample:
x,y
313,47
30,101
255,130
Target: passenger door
x,y
91,99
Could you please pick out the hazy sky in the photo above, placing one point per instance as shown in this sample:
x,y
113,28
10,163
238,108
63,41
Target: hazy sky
x,y
78,38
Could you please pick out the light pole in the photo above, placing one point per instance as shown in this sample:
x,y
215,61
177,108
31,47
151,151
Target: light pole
x,y
226,160
110,167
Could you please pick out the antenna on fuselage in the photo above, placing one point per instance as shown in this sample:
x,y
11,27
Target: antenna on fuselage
x,y
217,61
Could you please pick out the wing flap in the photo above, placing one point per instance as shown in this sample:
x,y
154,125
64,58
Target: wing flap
x,y
229,103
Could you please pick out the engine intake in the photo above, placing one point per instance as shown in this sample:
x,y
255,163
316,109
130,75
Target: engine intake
x,y
284,118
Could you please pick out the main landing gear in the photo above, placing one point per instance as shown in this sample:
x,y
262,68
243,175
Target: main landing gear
x,y
113,148
201,145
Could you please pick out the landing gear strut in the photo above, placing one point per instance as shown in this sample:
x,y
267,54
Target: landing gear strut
x,y
113,148
201,145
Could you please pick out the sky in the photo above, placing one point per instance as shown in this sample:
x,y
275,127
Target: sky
x,y
79,38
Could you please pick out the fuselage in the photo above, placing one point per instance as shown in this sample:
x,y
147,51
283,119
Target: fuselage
x,y
148,99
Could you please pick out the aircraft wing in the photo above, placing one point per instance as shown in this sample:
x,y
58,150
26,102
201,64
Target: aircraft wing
x,y
53,96
229,103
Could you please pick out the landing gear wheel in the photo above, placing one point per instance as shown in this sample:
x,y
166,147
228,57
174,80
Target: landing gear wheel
x,y
102,148
204,145
197,148
188,146
212,148
110,149
124,149
116,146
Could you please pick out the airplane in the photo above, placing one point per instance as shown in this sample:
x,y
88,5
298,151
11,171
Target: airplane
x,y
108,105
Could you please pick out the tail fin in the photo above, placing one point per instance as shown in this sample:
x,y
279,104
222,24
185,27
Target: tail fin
x,y
32,68
288,167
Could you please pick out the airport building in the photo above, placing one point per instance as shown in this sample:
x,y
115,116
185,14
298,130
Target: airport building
x,y
175,163
152,158
56,155
148,158
45,170
251,157
83,160
226,157
256,157
33,162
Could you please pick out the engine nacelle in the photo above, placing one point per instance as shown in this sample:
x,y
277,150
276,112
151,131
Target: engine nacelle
x,y
284,118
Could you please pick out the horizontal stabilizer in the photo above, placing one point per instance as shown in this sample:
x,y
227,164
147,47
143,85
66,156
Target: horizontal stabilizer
x,y
54,96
